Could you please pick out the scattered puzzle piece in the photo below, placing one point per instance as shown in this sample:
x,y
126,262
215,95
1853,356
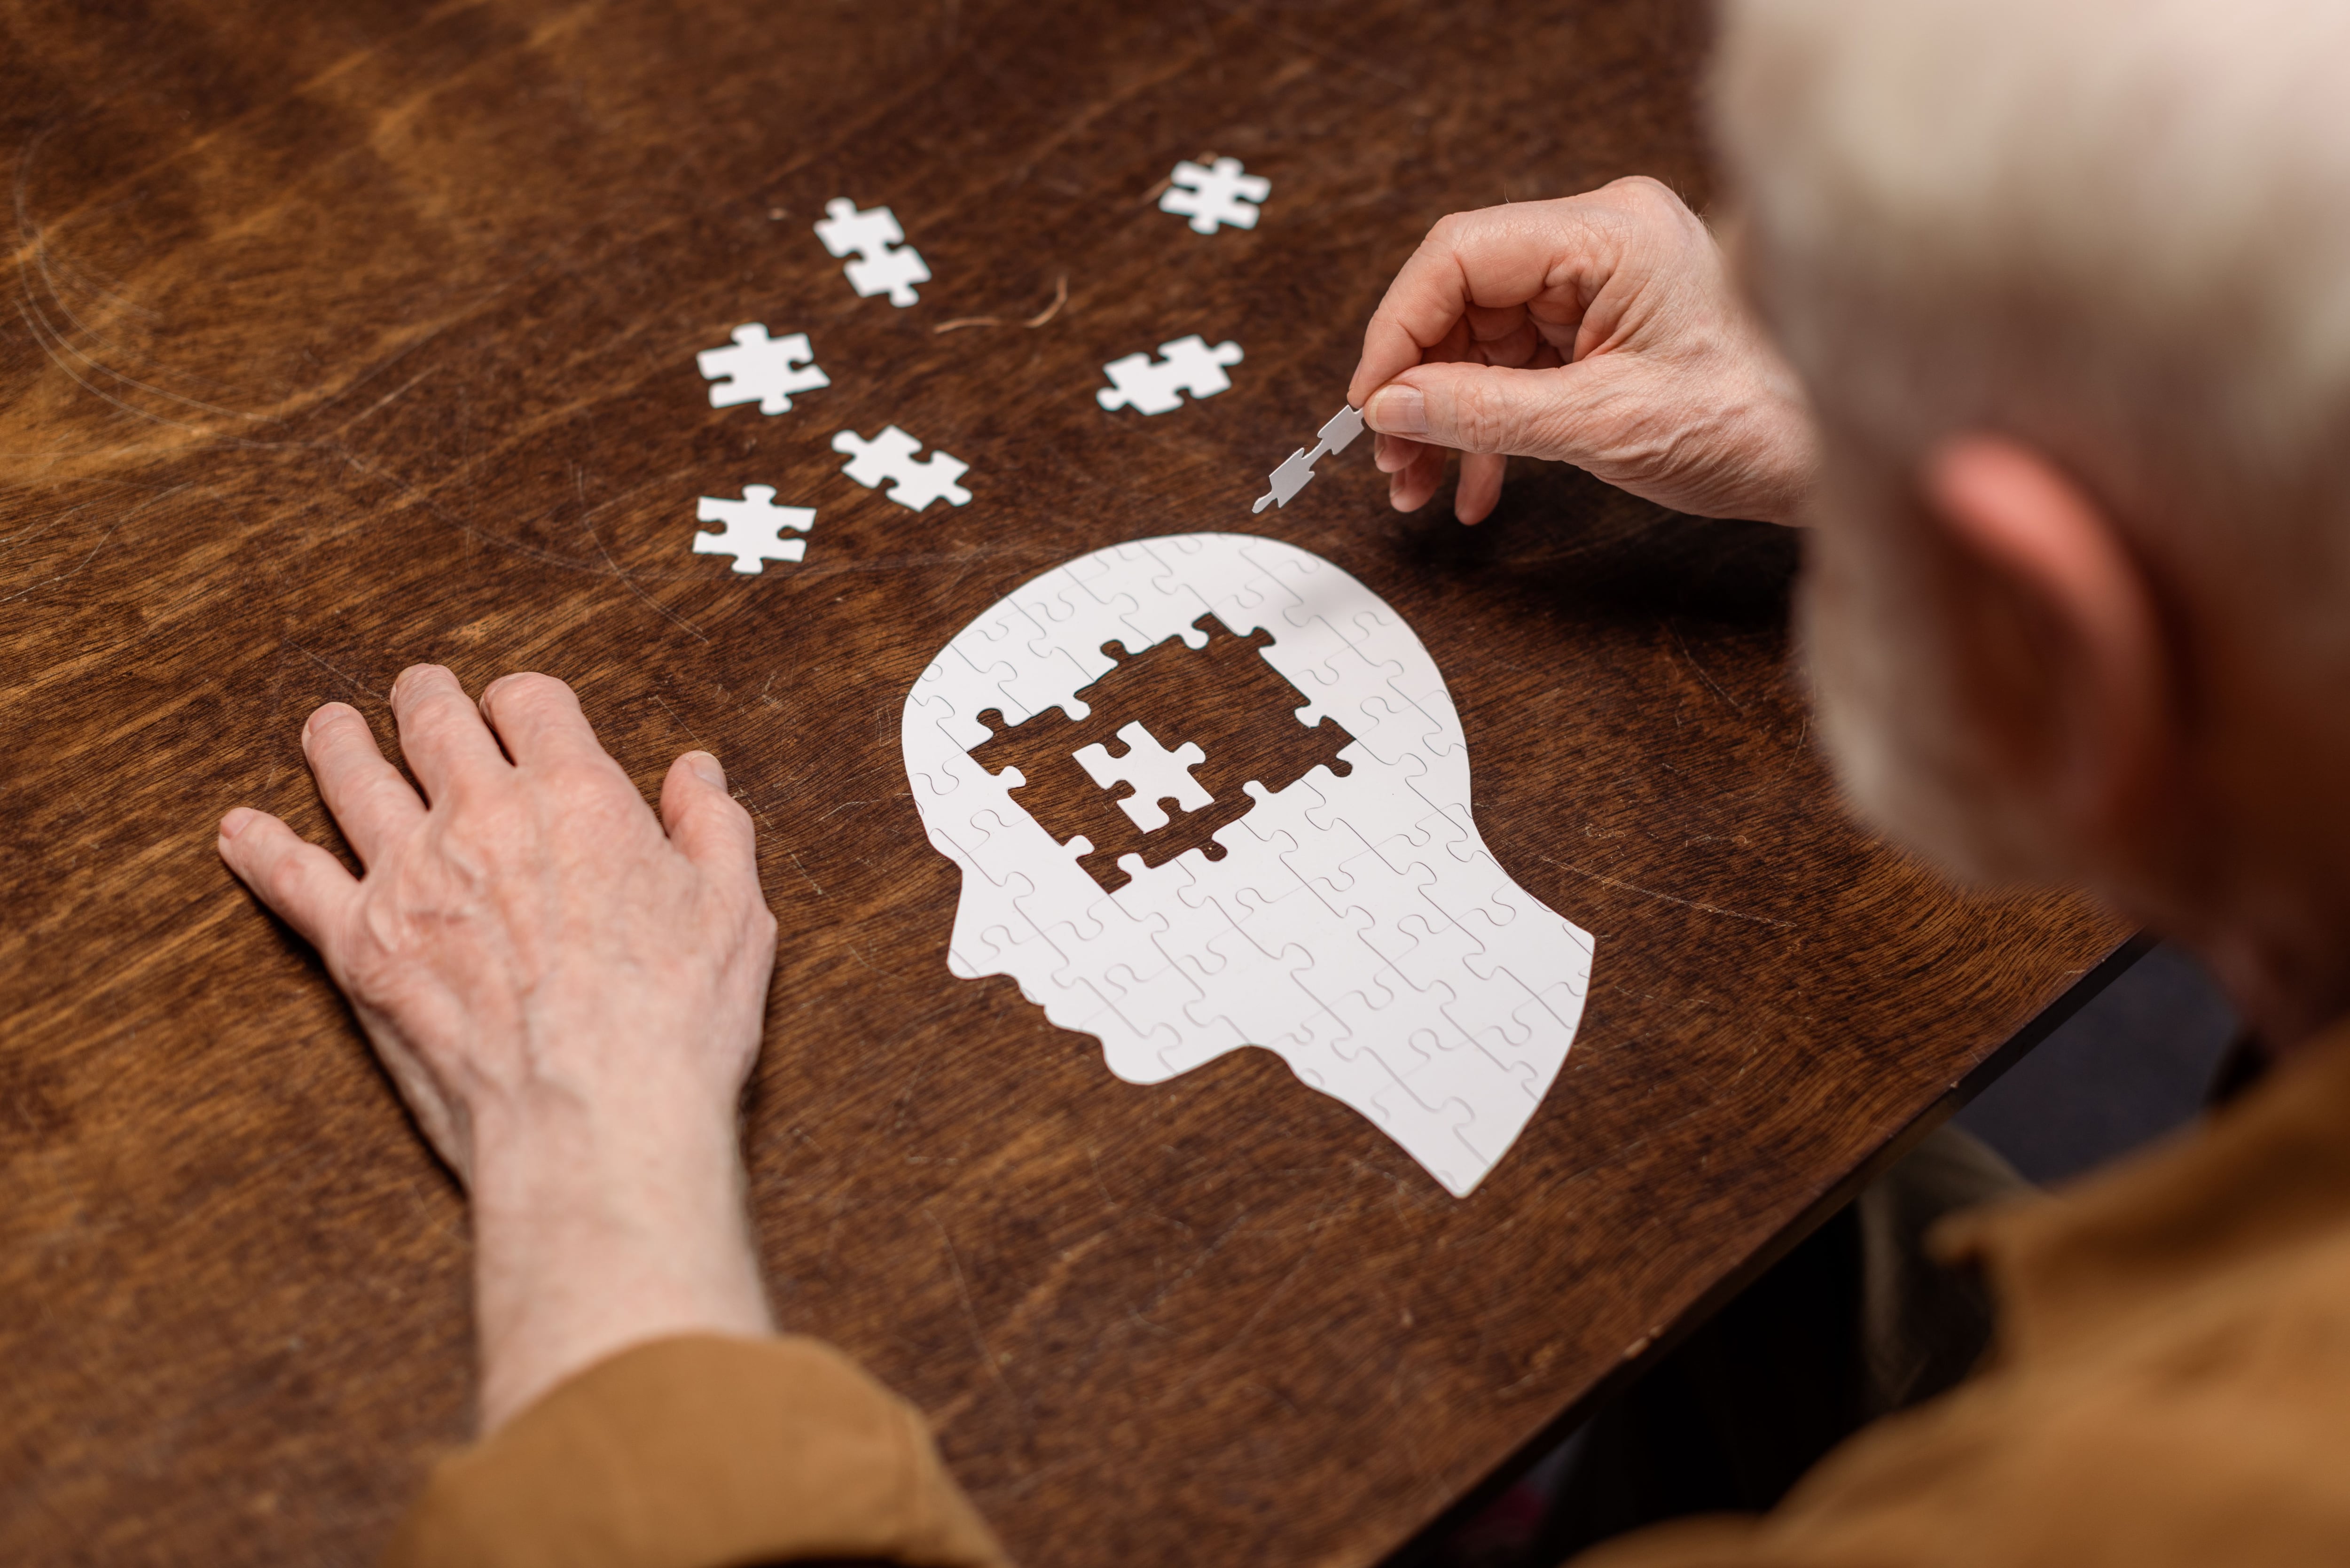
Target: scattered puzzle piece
x,y
1219,193
891,456
883,265
1297,468
754,528
761,369
1187,365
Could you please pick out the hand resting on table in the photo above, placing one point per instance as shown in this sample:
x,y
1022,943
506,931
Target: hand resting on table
x,y
568,993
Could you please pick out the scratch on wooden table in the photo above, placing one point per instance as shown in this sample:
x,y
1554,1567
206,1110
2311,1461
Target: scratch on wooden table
x,y
858,955
69,571
1094,1156
345,677
1667,898
1702,675
1375,72
579,483
1272,1298
804,871
971,1314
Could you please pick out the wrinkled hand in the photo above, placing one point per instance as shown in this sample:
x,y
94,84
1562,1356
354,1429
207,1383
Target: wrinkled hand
x,y
568,993
1602,330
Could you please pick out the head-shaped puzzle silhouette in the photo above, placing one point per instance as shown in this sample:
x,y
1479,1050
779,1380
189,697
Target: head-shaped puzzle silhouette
x,y
1208,791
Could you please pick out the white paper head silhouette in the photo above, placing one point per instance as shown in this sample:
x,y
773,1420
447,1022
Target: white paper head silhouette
x,y
1355,925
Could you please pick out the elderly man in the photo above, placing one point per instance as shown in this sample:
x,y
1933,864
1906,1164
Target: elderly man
x,y
2060,294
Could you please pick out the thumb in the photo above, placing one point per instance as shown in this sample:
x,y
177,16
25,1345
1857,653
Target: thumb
x,y
708,825
1478,408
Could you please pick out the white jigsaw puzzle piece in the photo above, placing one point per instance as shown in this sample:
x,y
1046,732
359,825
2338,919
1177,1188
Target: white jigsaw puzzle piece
x,y
1155,773
1356,926
893,273
1338,432
884,265
1187,365
753,528
889,456
1219,193
761,369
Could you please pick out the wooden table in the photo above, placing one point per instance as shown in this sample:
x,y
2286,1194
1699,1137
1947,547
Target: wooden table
x,y
347,336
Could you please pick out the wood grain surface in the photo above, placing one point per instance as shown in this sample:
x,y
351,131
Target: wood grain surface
x,y
344,336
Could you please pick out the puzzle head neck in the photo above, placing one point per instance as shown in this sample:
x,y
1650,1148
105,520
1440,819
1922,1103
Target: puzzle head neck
x,y
1305,874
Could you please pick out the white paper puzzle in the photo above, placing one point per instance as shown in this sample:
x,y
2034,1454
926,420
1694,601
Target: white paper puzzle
x,y
1336,432
891,456
1219,193
754,528
1352,920
883,265
1187,365
761,369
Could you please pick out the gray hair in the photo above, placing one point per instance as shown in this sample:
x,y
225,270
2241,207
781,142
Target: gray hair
x,y
2118,230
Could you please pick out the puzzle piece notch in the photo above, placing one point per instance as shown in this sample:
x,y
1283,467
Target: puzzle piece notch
x,y
761,369
884,264
1151,774
891,456
1186,365
1220,194
1338,432
753,531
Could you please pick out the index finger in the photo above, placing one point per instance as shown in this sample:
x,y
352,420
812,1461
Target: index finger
x,y
1495,258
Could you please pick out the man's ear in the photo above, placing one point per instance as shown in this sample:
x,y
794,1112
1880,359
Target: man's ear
x,y
2066,662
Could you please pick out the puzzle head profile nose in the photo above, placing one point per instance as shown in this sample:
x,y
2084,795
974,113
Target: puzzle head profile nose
x,y
1208,791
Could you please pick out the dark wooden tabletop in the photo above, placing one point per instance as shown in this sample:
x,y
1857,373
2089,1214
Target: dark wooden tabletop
x,y
346,337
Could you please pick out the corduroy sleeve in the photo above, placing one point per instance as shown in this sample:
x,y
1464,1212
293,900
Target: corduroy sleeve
x,y
700,1452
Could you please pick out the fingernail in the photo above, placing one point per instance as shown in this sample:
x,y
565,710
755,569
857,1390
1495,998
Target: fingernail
x,y
706,768
234,823
1397,410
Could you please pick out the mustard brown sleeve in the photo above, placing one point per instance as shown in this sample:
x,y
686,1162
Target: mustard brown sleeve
x,y
702,1451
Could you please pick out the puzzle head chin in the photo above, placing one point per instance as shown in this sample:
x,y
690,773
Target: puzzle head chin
x,y
1332,900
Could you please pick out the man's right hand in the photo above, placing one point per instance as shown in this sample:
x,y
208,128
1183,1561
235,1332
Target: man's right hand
x,y
1601,331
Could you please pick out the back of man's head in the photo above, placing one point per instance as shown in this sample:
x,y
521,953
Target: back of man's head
x,y
2119,233
2118,228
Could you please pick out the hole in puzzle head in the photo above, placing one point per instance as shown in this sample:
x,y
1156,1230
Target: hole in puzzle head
x,y
1222,697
